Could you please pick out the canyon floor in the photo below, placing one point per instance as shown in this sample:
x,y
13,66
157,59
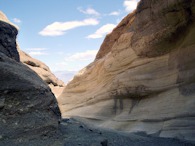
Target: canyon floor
x,y
76,133
79,133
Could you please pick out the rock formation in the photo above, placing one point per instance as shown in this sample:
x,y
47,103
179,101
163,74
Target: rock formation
x,y
43,71
29,114
28,109
143,76
39,67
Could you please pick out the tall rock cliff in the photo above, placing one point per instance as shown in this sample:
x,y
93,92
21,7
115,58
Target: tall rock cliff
x,y
28,110
143,77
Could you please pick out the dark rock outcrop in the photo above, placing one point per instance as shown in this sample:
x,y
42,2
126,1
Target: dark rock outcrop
x,y
8,40
28,109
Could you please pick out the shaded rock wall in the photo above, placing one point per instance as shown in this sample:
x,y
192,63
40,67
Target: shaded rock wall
x,y
28,109
8,41
39,67
143,75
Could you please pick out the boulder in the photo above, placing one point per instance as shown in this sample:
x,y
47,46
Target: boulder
x,y
28,109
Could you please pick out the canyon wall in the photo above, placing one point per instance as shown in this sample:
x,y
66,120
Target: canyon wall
x,y
28,110
143,77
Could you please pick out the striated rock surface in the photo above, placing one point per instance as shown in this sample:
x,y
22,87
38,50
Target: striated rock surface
x,y
143,78
28,109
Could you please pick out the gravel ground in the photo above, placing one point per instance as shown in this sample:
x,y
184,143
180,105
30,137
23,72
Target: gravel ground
x,y
79,134
75,133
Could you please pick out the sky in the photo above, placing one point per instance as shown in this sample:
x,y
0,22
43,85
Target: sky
x,y
65,34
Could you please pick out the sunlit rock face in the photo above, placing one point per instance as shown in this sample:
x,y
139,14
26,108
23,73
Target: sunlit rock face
x,y
143,77
28,109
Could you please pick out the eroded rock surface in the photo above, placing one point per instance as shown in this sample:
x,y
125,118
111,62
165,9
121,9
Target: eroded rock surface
x,y
143,75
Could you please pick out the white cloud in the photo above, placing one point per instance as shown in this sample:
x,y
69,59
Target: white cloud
x,y
130,5
17,20
114,13
36,49
60,53
76,61
102,31
37,53
89,11
62,64
59,28
81,56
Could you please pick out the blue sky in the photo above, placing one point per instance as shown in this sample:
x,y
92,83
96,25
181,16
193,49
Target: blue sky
x,y
65,34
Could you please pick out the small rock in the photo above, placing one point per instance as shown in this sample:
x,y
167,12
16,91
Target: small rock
x,y
10,106
27,97
104,142
4,121
81,126
21,110
63,123
30,105
1,137
2,101
66,120
20,140
6,91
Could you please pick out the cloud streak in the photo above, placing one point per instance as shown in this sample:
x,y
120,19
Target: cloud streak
x,y
17,20
89,11
59,28
37,53
102,31
36,49
114,13
76,61
82,56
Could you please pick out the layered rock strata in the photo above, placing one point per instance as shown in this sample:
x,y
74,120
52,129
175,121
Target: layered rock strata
x,y
143,76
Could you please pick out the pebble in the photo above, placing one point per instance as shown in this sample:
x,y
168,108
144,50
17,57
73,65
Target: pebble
x,y
6,91
104,142
4,121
